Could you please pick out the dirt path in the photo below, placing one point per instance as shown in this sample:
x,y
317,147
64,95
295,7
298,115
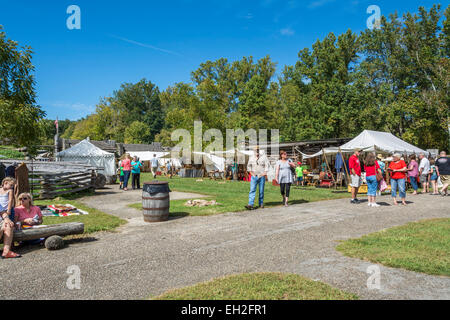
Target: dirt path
x,y
148,259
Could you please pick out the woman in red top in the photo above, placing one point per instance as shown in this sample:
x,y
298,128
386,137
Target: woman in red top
x,y
372,169
398,178
126,167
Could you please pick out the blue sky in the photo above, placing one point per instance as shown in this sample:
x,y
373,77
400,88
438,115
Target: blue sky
x,y
163,41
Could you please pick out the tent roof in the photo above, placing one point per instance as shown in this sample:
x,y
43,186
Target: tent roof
x,y
84,149
377,141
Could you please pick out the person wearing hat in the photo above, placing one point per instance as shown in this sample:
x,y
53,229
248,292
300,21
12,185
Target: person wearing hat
x,y
355,171
398,178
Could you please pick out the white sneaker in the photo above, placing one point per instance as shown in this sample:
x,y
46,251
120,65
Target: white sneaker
x,y
376,205
369,204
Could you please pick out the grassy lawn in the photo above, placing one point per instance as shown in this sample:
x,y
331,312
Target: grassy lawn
x,y
233,195
10,153
93,222
258,286
422,246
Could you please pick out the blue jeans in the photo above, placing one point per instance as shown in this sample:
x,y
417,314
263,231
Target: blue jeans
x,y
372,185
126,177
401,185
414,183
253,184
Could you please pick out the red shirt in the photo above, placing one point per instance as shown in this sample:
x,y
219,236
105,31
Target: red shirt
x,y
21,213
372,170
126,165
397,166
353,163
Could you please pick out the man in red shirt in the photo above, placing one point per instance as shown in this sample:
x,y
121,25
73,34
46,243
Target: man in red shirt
x,y
355,171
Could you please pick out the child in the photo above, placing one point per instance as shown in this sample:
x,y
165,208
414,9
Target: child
x,y
434,176
6,225
121,175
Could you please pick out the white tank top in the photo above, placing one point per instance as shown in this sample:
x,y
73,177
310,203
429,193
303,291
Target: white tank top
x,y
4,201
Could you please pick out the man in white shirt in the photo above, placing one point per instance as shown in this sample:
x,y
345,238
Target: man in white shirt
x,y
154,163
424,170
258,166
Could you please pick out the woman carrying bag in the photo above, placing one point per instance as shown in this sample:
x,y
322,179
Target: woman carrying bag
x,y
284,176
373,176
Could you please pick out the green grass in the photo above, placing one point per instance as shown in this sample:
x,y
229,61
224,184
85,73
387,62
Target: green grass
x,y
93,222
422,246
258,286
10,153
233,195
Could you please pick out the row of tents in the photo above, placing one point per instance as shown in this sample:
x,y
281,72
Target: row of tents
x,y
380,142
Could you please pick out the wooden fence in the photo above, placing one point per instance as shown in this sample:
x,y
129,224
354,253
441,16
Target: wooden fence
x,y
46,185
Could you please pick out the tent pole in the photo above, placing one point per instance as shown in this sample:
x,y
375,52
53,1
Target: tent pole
x,y
345,166
326,161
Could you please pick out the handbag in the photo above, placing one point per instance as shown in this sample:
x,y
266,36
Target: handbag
x,y
383,185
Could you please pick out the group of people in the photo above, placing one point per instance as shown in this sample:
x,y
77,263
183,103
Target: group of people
x,y
10,215
131,167
424,172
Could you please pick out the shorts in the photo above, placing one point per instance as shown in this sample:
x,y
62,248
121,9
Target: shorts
x,y
121,178
445,179
434,177
299,179
424,178
356,181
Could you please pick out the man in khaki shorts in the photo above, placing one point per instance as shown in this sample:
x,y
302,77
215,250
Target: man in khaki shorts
x,y
355,171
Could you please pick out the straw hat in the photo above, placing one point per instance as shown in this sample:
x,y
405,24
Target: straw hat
x,y
379,156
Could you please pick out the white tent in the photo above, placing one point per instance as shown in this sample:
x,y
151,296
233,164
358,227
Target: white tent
x,y
86,152
383,142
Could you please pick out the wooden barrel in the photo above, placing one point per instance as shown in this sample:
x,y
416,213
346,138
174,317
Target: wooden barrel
x,y
156,201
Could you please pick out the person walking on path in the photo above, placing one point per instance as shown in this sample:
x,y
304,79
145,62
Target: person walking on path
x,y
355,171
6,224
126,167
413,173
154,164
424,170
433,176
136,166
258,166
443,171
284,177
398,178
372,171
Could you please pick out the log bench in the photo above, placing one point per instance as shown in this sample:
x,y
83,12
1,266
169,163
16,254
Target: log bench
x,y
55,232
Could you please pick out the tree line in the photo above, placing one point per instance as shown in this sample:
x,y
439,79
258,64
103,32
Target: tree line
x,y
393,78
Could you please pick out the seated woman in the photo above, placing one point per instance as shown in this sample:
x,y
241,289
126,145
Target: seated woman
x,y
6,225
26,212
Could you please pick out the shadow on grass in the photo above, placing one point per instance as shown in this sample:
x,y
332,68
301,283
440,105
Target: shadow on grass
x,y
178,215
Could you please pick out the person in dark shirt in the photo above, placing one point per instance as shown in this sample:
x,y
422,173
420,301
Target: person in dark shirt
x,y
443,170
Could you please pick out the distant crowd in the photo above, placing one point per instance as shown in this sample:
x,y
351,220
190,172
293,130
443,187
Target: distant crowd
x,y
428,173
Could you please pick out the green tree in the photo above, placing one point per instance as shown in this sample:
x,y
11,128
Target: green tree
x,y
137,132
19,115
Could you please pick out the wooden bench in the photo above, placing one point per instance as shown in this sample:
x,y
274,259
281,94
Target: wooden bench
x,y
56,230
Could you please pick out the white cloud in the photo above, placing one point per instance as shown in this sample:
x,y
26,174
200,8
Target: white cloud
x,y
287,32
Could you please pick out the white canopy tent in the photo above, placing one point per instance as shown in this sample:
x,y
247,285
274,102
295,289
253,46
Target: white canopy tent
x,y
383,142
86,152
163,157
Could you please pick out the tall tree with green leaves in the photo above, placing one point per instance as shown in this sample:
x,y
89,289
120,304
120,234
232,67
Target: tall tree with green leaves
x,y
19,115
